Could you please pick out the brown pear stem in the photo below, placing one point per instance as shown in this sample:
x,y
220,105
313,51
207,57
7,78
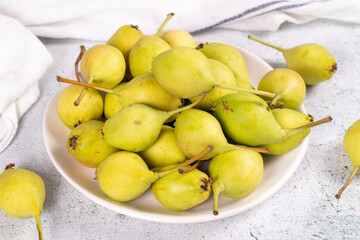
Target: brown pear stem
x,y
313,124
254,149
168,17
338,195
82,51
38,226
202,96
239,89
100,88
265,43
186,170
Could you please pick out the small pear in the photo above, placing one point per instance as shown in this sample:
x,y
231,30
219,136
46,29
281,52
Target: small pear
x,y
352,148
287,119
145,50
111,102
124,176
186,72
180,192
22,194
235,174
177,38
312,61
125,38
247,119
195,130
288,84
103,65
137,126
86,144
228,55
222,74
91,106
164,151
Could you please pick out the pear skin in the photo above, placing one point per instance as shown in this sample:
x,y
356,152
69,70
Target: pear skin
x,y
178,38
111,102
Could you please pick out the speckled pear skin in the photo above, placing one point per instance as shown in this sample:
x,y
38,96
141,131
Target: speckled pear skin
x,y
288,84
180,192
91,106
184,72
103,65
86,144
289,118
124,176
247,119
229,56
178,38
222,74
164,151
143,53
351,143
125,38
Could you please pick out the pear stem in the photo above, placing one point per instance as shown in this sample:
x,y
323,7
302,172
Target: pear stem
x,y
186,170
82,51
202,96
100,88
338,195
38,226
267,44
217,188
239,89
278,104
168,17
313,124
274,101
82,94
254,149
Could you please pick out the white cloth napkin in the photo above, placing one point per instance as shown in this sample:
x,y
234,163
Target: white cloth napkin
x,y
23,60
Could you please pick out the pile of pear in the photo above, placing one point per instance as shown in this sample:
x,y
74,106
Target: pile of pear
x,y
171,105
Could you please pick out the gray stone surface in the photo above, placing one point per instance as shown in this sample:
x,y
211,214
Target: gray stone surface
x,y
304,208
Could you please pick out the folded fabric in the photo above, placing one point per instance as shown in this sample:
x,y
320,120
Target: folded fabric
x,y
98,20
23,60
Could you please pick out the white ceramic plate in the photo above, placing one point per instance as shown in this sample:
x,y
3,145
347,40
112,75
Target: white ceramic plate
x,y
277,170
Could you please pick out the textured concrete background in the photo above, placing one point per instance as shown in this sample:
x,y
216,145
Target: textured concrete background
x,y
304,208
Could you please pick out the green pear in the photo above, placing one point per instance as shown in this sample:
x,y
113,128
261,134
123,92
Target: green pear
x,y
312,61
186,72
111,102
22,194
352,148
228,55
288,84
145,50
177,38
180,192
243,84
164,151
287,119
103,65
125,38
86,144
222,74
91,106
235,174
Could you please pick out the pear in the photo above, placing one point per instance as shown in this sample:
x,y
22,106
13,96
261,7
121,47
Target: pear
x,y
91,106
86,144
22,194
312,61
228,55
124,176
111,102
243,84
222,74
164,151
247,119
287,119
137,126
177,38
145,49
235,174
352,147
103,65
195,130
186,72
125,38
288,85
180,192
